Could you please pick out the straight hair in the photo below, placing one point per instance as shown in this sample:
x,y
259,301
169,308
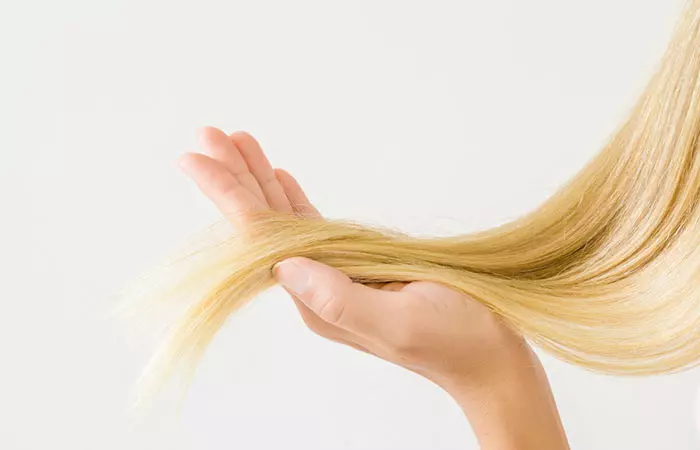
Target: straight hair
x,y
604,274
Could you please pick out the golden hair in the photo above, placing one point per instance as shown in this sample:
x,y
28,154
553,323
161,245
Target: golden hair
x,y
604,274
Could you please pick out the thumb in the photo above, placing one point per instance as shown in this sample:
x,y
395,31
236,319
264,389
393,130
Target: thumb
x,y
336,299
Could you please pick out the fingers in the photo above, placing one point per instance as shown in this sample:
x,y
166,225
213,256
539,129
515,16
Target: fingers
x,y
241,154
261,169
393,286
219,185
369,313
224,150
300,203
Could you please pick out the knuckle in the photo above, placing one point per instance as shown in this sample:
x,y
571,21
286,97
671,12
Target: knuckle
x,y
313,326
227,188
319,328
331,307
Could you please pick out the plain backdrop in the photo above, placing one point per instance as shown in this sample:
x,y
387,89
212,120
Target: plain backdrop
x,y
432,117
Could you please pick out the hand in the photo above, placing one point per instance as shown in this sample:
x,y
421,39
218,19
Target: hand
x,y
444,335
423,326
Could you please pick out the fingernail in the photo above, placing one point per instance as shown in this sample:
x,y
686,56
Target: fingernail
x,y
292,276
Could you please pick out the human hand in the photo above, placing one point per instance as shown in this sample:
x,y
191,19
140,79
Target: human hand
x,y
444,335
423,326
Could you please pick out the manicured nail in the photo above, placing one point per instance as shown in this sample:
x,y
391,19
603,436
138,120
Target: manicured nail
x,y
292,276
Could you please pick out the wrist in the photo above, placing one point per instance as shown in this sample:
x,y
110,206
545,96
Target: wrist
x,y
512,410
514,363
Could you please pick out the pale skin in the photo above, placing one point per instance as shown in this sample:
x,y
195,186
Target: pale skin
x,y
443,335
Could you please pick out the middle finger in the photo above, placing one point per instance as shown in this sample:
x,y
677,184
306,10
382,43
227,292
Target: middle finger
x,y
224,150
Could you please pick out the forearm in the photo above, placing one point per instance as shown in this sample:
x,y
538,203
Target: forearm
x,y
513,412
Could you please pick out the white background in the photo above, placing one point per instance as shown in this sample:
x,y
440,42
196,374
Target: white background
x,y
434,117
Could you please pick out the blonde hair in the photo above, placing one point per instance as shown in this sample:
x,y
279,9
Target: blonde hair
x,y
604,274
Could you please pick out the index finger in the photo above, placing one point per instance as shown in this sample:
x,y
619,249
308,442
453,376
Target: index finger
x,y
220,186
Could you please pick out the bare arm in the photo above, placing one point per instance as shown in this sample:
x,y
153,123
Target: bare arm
x,y
517,412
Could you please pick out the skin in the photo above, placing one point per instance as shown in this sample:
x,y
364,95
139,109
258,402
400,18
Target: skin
x,y
445,336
